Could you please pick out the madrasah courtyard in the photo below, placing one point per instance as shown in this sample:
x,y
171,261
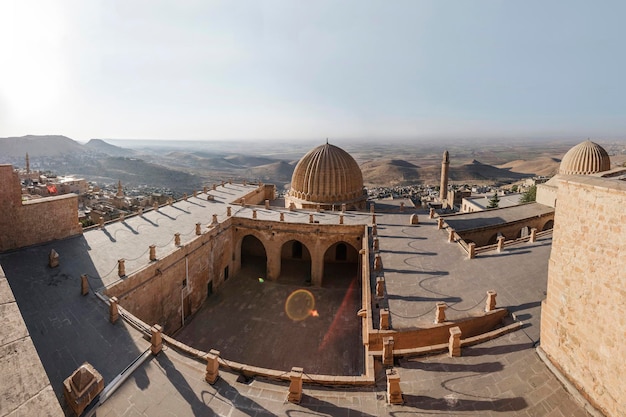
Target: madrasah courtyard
x,y
236,279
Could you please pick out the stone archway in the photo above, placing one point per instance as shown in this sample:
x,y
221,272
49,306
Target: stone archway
x,y
548,225
341,265
253,256
295,263
524,232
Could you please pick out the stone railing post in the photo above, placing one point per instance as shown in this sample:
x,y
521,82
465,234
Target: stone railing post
x,y
374,230
374,218
372,208
378,263
454,343
185,196
402,207
451,235
440,314
295,385
212,366
388,351
254,214
471,250
500,243
198,229
204,189
214,219
122,216
113,310
195,193
223,183
440,223
153,252
155,205
380,287
101,222
341,218
343,207
140,211
384,319
431,214
394,392
414,219
156,340
267,204
318,208
292,207
177,239
490,304
376,244
533,235
213,186
84,284
311,218
229,211
121,268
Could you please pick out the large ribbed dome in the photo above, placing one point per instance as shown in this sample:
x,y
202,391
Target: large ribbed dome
x,y
326,175
585,158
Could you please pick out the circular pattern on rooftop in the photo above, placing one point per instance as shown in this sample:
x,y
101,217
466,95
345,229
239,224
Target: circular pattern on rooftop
x,y
328,175
584,159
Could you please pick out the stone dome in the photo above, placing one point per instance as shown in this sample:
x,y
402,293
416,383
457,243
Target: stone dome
x,y
326,175
585,158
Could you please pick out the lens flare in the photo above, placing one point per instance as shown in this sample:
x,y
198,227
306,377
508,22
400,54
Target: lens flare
x,y
299,305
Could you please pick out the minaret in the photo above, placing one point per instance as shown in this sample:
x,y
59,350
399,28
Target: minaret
x,y
27,164
120,192
445,165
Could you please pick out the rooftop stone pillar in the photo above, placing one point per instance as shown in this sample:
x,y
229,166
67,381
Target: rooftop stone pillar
x,y
490,304
380,287
378,263
229,211
454,343
214,220
341,218
223,183
195,193
388,351
101,222
122,216
230,180
155,205
82,387
311,218
140,211
439,223
156,339
254,214
243,202
372,208
500,243
343,207
214,186
384,319
374,230
198,229
244,182
84,284
431,214
267,204
295,385
394,392
376,244
282,217
121,268
450,235
401,207
414,219
292,206
153,252
177,239
471,250
113,310
204,189
212,366
533,235
318,208
185,196
440,313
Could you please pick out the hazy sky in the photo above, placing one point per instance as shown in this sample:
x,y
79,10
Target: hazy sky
x,y
312,69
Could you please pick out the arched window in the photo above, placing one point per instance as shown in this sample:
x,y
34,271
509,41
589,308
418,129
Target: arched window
x,y
296,250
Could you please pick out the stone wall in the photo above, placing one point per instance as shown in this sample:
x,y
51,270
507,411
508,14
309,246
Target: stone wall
x,y
582,318
36,221
488,235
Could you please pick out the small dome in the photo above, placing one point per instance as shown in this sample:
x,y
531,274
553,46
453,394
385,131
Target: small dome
x,y
327,175
585,158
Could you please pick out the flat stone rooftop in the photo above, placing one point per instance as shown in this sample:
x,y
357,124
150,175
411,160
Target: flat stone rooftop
x,y
494,217
501,377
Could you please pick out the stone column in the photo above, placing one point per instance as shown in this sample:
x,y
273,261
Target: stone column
x,y
156,340
414,219
394,392
267,204
341,218
229,211
454,343
121,268
212,366
533,235
440,314
471,250
177,239
378,263
500,243
384,319
490,305
450,235
431,214
440,223
380,287
198,229
84,284
153,252
113,311
254,214
295,385
388,351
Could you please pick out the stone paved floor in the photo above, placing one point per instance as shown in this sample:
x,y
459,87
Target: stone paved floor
x,y
503,377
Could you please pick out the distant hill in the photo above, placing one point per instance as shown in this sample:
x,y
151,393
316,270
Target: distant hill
x,y
98,145
476,170
40,146
277,172
390,172
545,165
